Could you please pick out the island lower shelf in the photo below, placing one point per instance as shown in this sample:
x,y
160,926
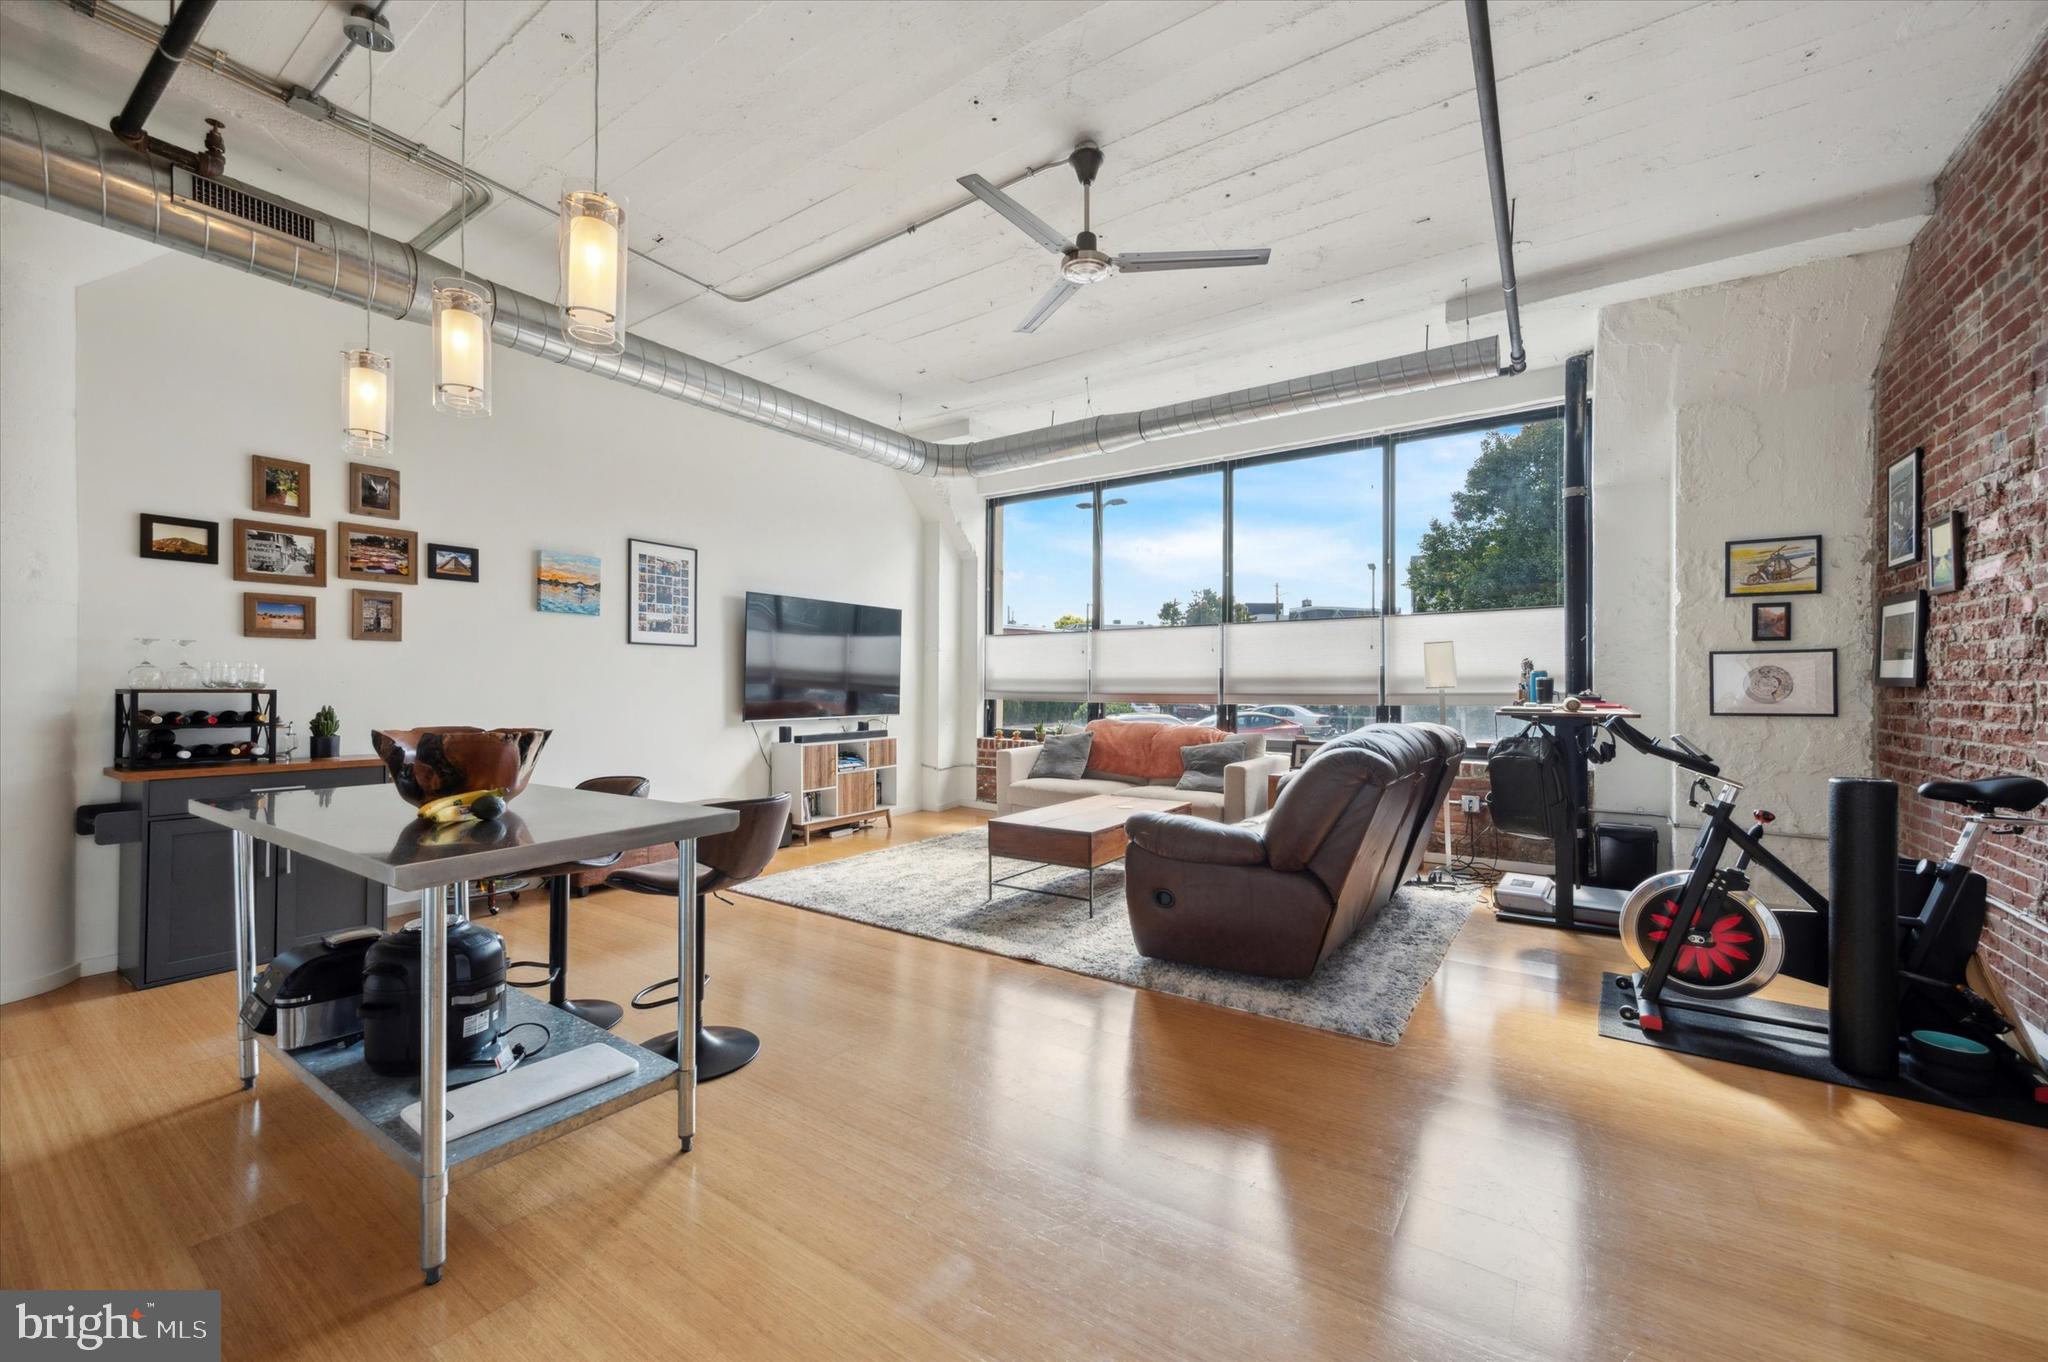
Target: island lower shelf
x,y
371,1101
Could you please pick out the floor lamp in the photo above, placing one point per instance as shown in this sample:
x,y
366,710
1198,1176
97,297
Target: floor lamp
x,y
1440,674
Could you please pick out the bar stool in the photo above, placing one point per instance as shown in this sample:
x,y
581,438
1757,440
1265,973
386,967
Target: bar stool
x,y
730,858
597,1011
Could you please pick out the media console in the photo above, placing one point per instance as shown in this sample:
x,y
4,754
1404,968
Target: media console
x,y
835,779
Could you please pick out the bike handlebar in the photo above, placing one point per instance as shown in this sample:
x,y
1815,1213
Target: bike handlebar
x,y
1680,753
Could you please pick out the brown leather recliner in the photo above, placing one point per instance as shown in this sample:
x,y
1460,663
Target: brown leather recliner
x,y
1275,896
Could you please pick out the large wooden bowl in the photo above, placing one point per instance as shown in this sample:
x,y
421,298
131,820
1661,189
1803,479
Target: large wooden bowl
x,y
427,763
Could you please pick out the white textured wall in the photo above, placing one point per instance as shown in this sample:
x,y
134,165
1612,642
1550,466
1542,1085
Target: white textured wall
x,y
43,260
1734,412
184,369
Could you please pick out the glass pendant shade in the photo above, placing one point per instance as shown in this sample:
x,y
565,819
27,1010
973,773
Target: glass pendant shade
x,y
462,348
593,237
370,408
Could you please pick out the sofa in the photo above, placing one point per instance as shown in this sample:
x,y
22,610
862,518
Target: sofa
x,y
1275,895
1141,760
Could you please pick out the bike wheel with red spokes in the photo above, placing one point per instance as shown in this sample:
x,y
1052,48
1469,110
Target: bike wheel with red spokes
x,y
1734,947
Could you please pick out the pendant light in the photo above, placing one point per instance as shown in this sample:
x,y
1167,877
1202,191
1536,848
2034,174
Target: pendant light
x,y
371,403
462,310
593,241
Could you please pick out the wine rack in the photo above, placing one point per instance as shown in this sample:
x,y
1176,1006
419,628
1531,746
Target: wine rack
x,y
136,750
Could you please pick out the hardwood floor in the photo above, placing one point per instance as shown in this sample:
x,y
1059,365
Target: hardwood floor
x,y
943,1154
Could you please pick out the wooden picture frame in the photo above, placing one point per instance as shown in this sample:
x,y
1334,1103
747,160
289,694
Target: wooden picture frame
x,y
260,542
1779,565
376,553
376,616
1946,568
662,594
280,486
1902,640
259,605
373,491
1770,622
457,554
1774,683
1902,510
177,547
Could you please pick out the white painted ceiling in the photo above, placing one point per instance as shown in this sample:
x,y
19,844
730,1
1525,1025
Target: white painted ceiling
x,y
753,140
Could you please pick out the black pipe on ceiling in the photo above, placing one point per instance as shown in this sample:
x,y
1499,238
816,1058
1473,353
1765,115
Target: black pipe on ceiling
x,y
179,35
1481,30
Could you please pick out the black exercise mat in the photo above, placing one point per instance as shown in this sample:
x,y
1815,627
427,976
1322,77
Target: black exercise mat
x,y
1754,1041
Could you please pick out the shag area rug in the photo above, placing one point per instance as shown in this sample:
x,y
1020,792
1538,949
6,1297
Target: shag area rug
x,y
935,888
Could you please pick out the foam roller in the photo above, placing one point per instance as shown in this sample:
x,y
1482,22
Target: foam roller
x,y
1863,926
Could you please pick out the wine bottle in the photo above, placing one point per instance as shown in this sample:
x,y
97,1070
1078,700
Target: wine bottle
x,y
199,718
176,753
204,751
149,718
228,718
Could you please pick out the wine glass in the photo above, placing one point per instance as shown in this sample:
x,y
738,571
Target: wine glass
x,y
215,676
184,676
145,673
252,675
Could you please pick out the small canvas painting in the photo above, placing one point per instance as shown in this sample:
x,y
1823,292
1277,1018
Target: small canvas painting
x,y
567,583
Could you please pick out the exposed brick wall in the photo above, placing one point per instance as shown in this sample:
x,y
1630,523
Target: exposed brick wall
x,y
985,750
1964,374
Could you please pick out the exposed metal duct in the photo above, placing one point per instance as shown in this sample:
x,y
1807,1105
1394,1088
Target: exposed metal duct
x,y
68,166
1481,30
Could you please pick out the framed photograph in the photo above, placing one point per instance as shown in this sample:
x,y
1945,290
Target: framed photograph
x,y
451,563
376,615
180,540
376,553
373,491
1902,511
279,486
1945,572
1770,623
1785,565
280,555
567,583
1901,640
267,616
661,589
1788,682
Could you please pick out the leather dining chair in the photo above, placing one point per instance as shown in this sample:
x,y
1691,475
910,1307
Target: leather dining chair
x,y
728,859
597,1011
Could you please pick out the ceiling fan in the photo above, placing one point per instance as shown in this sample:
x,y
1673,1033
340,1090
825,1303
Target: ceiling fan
x,y
1080,262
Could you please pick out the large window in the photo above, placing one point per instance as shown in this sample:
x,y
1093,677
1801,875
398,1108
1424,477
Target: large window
x,y
1306,535
1296,593
1478,518
1162,552
1046,546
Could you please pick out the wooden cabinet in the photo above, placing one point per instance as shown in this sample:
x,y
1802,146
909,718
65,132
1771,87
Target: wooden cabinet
x,y
178,888
836,781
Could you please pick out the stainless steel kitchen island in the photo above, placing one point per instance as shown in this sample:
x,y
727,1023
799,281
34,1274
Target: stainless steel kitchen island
x,y
370,831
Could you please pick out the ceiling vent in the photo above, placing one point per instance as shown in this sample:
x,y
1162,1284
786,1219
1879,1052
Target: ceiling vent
x,y
269,214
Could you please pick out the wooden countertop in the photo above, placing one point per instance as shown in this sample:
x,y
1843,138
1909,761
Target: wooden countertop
x,y
254,770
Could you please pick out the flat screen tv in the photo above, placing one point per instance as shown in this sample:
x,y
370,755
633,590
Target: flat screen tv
x,y
811,659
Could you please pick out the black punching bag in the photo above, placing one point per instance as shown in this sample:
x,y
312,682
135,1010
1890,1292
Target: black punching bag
x,y
1863,926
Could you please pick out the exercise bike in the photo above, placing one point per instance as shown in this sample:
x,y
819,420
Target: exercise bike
x,y
1701,933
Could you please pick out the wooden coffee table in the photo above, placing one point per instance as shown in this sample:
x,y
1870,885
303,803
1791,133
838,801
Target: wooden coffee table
x,y
1081,834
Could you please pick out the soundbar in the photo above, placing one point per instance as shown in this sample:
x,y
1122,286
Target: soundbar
x,y
840,737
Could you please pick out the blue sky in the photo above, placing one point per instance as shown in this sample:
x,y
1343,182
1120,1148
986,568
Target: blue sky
x,y
1311,525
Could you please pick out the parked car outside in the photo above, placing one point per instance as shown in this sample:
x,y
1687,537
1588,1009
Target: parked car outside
x,y
1145,719
1313,724
1276,727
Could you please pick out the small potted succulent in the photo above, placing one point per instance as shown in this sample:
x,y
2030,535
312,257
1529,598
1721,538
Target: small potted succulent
x,y
326,733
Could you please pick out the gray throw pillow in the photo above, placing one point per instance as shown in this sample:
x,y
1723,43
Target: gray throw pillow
x,y
1064,756
1201,766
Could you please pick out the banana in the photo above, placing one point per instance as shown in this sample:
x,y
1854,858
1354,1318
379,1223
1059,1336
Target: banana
x,y
454,808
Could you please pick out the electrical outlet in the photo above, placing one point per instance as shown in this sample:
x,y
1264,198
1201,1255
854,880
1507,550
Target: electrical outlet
x,y
1470,803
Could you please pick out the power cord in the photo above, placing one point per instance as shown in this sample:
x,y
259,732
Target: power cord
x,y
520,1052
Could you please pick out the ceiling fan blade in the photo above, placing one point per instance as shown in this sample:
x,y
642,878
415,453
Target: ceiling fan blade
x,y
1034,226
1137,262
1049,304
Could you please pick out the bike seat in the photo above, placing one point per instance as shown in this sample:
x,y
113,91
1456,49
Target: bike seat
x,y
2018,793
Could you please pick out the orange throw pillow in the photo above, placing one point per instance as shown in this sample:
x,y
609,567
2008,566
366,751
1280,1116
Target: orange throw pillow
x,y
1147,751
